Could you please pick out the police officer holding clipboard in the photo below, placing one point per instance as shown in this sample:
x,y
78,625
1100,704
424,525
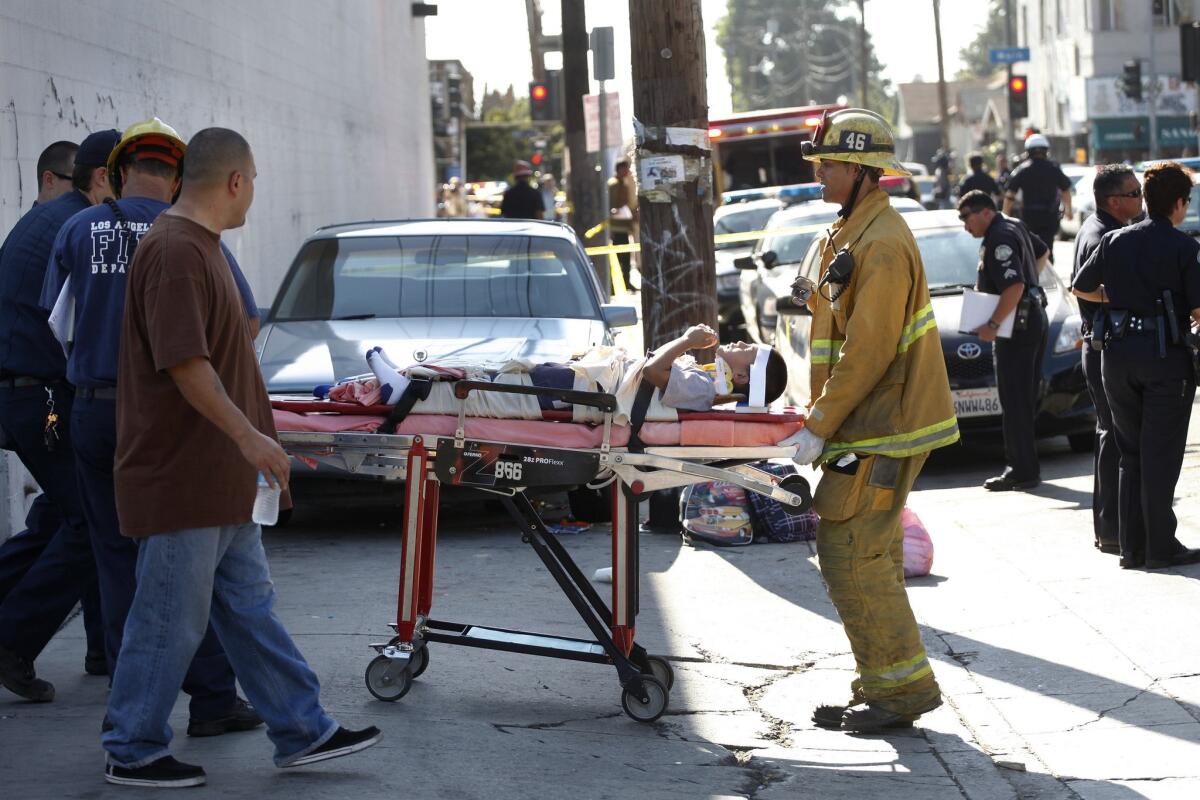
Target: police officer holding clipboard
x,y
1009,261
1147,276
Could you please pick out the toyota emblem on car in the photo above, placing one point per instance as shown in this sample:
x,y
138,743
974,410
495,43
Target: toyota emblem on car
x,y
968,350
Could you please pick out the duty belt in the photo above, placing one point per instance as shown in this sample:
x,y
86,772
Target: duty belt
x,y
21,381
1142,324
97,392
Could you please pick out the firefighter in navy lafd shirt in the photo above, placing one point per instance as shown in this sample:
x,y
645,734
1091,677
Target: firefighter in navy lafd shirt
x,y
91,258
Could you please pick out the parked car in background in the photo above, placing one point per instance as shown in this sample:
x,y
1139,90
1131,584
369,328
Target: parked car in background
x,y
951,256
926,184
448,291
736,218
1083,201
767,273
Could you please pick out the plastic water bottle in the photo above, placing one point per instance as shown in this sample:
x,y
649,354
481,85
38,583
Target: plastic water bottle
x,y
266,503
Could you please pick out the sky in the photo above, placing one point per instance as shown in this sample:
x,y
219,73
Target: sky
x,y
491,38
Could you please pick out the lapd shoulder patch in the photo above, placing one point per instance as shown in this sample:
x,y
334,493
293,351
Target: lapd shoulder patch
x,y
1003,252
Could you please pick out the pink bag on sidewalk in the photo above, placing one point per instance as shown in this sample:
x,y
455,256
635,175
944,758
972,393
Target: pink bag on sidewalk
x,y
918,547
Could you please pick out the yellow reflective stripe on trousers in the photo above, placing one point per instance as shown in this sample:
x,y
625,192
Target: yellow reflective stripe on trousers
x,y
827,351
921,323
901,445
899,674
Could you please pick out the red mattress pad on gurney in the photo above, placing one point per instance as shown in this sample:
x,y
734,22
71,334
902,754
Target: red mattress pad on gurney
x,y
705,428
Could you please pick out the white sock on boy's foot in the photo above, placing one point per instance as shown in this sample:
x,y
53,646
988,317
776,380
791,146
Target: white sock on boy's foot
x,y
391,383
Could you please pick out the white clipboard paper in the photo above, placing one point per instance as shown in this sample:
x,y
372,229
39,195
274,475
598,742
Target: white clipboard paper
x,y
977,309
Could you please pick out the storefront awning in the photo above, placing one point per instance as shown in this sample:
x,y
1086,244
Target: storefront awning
x,y
1133,133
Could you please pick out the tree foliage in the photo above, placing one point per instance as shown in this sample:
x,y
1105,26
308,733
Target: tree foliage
x,y
491,151
797,52
975,55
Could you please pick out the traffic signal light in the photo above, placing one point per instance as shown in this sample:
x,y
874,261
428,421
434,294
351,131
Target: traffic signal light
x,y
1130,82
539,105
1018,97
544,102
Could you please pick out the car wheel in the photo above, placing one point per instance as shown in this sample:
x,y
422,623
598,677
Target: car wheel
x,y
1082,442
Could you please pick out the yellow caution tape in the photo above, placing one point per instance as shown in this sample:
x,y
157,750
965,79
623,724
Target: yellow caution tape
x,y
618,278
592,231
721,238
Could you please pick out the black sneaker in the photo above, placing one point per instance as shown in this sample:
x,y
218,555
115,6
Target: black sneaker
x,y
242,717
17,675
165,773
342,743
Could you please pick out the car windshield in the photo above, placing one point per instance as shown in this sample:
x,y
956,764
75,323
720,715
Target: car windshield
x,y
435,276
741,221
1191,220
951,258
792,247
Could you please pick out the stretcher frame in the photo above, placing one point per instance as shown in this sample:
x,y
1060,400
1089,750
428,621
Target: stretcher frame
x,y
508,470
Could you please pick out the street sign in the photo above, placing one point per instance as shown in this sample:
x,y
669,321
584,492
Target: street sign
x,y
1008,55
591,120
603,67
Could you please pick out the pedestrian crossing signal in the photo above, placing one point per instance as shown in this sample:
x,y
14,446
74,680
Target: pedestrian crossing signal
x,y
1018,97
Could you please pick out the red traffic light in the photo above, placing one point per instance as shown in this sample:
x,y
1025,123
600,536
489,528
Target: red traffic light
x,y
538,91
1016,84
536,159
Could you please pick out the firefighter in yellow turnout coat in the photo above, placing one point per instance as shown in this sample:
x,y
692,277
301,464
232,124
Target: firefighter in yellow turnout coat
x,y
882,402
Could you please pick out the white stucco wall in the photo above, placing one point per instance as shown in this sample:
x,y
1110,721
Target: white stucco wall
x,y
332,95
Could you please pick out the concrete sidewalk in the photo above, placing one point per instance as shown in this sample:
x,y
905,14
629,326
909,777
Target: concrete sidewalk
x,y
1065,677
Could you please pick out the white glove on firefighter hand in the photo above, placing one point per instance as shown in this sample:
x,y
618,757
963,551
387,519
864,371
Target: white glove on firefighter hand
x,y
808,446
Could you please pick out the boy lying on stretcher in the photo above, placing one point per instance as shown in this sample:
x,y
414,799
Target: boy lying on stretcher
x,y
741,372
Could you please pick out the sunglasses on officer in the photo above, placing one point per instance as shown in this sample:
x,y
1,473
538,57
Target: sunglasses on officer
x,y
1132,194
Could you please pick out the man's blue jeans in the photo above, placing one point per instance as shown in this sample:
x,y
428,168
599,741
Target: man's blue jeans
x,y
180,576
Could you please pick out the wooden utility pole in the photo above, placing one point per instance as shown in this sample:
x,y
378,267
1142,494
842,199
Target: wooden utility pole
x,y
583,189
669,91
533,14
862,48
943,106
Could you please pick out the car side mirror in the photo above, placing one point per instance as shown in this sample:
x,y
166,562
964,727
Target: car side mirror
x,y
744,262
768,258
786,306
619,316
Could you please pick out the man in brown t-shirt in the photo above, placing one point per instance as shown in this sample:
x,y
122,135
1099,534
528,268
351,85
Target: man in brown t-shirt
x,y
194,431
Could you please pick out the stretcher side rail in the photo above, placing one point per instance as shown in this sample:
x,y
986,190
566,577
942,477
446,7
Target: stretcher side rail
x,y
601,400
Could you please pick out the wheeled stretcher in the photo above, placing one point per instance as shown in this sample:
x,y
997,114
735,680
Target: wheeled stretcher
x,y
510,457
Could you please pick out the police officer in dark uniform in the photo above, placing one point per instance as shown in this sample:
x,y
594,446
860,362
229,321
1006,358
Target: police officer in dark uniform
x,y
1148,277
1042,186
521,200
1118,200
978,179
48,568
1010,259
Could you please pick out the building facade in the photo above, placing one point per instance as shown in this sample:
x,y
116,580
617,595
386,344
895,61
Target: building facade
x,y
1078,52
451,104
333,98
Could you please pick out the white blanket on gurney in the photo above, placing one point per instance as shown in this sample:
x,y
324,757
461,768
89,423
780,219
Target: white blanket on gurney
x,y
601,369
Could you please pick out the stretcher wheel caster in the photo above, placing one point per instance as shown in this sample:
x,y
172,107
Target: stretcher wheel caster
x,y
419,661
660,668
388,679
655,703
796,484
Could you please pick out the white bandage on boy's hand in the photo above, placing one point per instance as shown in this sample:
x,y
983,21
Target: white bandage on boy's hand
x,y
808,446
